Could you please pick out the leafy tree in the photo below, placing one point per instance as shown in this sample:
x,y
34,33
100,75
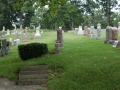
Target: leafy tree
x,y
94,20
107,6
38,14
67,13
6,14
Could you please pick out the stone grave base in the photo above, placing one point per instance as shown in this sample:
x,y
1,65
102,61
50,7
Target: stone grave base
x,y
109,41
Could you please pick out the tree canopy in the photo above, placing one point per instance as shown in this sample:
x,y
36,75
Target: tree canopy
x,y
66,13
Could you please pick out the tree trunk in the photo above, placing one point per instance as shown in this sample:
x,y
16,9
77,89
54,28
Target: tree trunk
x,y
108,19
21,14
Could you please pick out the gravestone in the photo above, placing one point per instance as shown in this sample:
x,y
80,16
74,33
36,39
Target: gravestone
x,y
76,30
92,31
33,35
16,34
80,30
60,36
10,42
17,41
88,31
26,36
3,29
4,49
85,30
98,36
15,27
57,48
3,33
111,34
37,31
2,52
34,27
119,26
8,32
115,43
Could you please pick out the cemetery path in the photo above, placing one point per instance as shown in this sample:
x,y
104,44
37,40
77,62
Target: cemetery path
x,y
6,84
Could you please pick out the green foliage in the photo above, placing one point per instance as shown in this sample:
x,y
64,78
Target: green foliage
x,y
67,13
32,50
107,6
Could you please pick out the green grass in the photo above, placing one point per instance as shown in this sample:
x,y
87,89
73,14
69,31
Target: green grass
x,y
83,64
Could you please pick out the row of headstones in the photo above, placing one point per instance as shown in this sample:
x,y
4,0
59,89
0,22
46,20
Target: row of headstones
x,y
25,36
59,41
90,31
4,48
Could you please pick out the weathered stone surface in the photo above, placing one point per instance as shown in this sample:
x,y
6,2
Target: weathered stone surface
x,y
111,34
85,30
98,36
33,75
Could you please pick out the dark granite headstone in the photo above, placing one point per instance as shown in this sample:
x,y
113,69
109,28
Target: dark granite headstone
x,y
4,43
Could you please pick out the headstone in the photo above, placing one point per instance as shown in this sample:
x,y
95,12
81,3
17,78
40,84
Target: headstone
x,y
57,48
76,30
2,52
3,29
4,45
88,31
115,43
3,33
80,30
60,36
34,27
15,27
17,35
98,36
119,26
8,32
10,42
85,30
33,35
17,41
26,36
111,35
37,31
92,31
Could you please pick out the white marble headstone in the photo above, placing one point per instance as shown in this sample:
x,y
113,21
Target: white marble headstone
x,y
37,31
3,28
80,30
8,32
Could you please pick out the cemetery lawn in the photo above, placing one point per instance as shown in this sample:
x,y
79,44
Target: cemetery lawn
x,y
83,64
